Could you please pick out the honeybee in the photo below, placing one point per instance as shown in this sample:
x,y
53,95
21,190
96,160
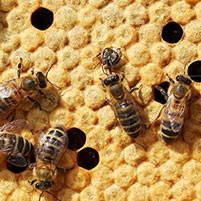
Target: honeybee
x,y
179,94
15,147
110,57
125,108
14,91
50,149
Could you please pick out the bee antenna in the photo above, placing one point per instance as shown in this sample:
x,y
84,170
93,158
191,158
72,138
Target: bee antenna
x,y
53,84
19,68
52,195
41,195
97,64
49,69
104,70
47,75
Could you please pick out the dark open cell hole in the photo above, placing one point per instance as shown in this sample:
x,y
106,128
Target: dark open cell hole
x,y
158,96
172,32
88,158
194,71
42,18
15,169
77,139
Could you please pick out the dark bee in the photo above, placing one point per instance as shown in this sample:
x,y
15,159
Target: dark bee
x,y
15,147
173,115
14,91
110,58
124,106
50,149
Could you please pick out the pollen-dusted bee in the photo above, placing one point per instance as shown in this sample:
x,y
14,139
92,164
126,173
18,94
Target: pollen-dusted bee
x,y
173,115
14,91
15,147
125,108
110,57
50,149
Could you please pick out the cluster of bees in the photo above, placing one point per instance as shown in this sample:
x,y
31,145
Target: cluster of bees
x,y
51,146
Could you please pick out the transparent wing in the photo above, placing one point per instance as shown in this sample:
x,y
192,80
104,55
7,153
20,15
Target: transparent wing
x,y
6,88
61,145
17,160
15,126
176,113
44,142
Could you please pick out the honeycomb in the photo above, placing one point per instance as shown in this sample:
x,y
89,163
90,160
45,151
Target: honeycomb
x,y
140,169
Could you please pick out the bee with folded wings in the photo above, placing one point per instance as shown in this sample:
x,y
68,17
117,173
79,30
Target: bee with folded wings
x,y
179,94
12,145
14,91
125,108
110,57
50,148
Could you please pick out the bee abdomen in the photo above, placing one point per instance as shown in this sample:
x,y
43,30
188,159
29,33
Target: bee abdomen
x,y
10,102
129,119
167,133
18,144
54,139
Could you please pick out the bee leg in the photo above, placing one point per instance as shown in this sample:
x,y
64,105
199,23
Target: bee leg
x,y
159,114
32,182
35,102
42,93
162,91
19,68
135,88
102,82
12,115
112,105
171,80
103,69
63,170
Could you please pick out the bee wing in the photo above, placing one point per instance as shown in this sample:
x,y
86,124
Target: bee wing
x,y
61,148
17,160
176,113
142,114
6,91
43,142
15,126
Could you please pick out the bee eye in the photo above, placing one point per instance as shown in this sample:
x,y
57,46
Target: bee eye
x,y
116,77
106,82
47,184
41,79
187,81
179,78
37,185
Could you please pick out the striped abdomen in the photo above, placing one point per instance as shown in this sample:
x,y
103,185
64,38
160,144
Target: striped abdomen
x,y
172,122
54,144
129,119
10,97
12,144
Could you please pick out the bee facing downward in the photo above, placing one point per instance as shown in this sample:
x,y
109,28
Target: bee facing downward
x,y
14,146
50,149
110,58
124,106
179,94
14,91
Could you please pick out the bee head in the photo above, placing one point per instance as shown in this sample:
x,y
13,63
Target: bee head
x,y
29,84
110,57
179,91
43,185
111,80
42,80
185,80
